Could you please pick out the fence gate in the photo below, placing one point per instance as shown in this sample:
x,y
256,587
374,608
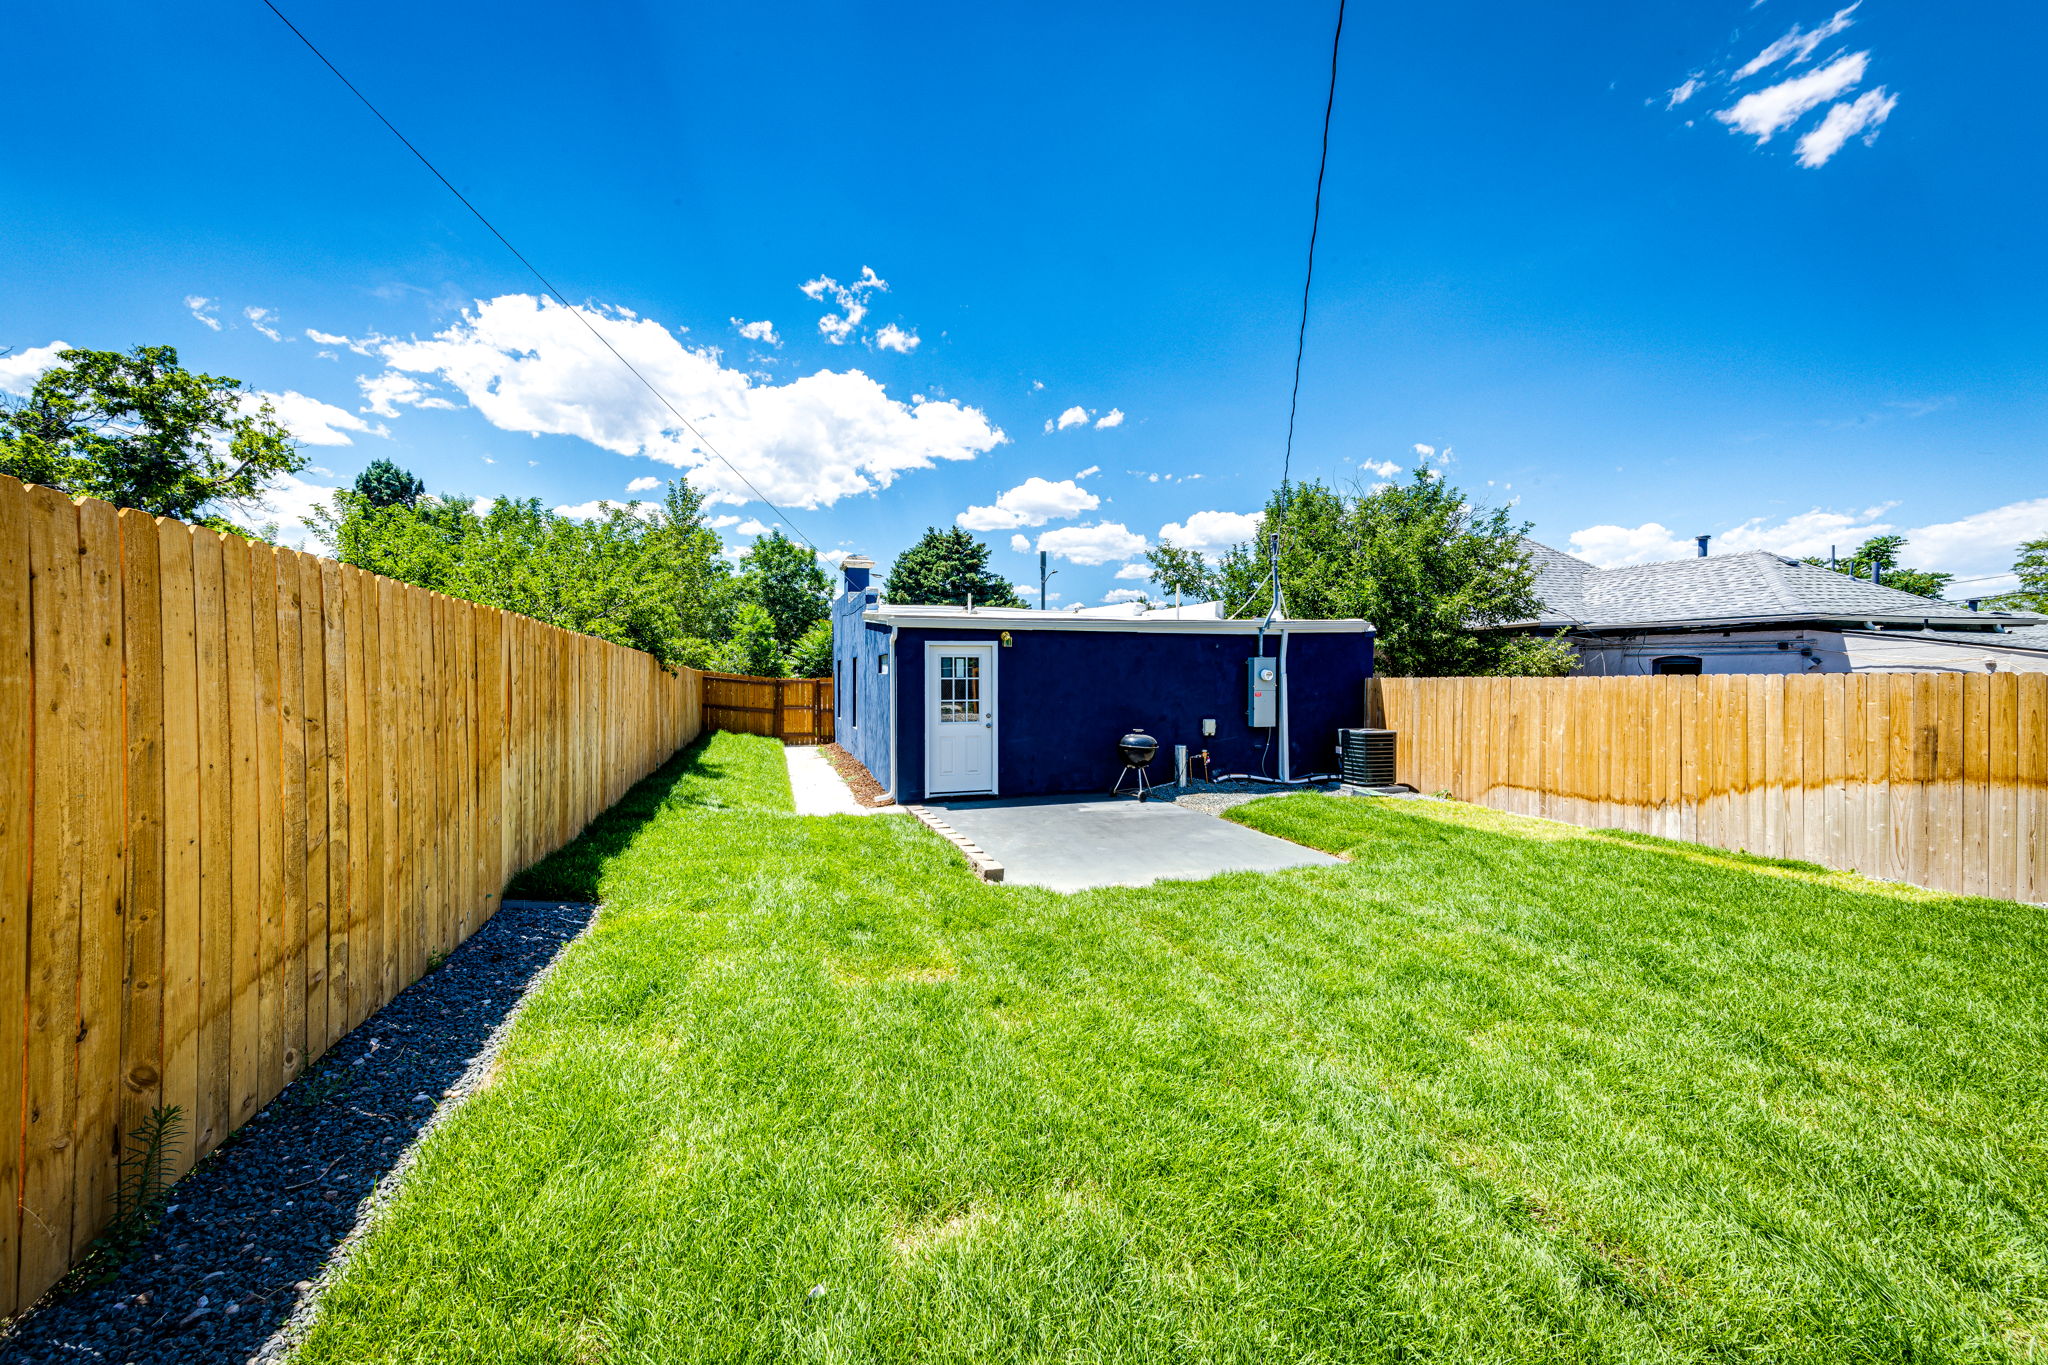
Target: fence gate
x,y
793,710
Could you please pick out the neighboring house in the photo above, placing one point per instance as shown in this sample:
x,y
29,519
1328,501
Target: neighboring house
x,y
999,701
1765,613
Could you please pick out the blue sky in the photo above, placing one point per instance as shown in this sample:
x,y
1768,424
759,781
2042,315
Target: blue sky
x,y
1800,303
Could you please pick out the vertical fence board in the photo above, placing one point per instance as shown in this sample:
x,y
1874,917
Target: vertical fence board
x,y
216,864
98,765
269,829
17,771
245,800
291,665
142,998
48,1097
181,830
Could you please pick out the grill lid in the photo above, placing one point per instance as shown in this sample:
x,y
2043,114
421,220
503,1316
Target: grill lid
x,y
1137,748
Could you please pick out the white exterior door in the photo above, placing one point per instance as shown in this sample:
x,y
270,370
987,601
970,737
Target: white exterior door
x,y
960,719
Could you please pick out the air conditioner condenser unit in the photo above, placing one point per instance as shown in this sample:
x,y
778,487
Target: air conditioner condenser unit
x,y
1366,757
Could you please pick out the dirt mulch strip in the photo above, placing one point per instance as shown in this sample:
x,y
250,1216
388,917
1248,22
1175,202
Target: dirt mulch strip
x,y
866,790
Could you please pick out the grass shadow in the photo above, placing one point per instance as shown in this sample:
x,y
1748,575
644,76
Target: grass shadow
x,y
712,773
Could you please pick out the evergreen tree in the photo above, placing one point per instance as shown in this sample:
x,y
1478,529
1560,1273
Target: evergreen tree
x,y
946,568
384,484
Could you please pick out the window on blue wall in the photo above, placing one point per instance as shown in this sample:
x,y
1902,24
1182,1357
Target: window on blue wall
x,y
853,698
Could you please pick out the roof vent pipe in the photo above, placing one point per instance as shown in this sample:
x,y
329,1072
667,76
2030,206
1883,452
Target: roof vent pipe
x,y
1876,572
1703,544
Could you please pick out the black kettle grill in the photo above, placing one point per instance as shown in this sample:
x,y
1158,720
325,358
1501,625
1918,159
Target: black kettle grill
x,y
1137,750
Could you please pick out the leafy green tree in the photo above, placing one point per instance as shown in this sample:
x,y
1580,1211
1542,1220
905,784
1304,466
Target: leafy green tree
x,y
752,648
784,578
2032,567
140,430
384,484
1882,553
946,568
1428,567
1188,572
812,656
650,581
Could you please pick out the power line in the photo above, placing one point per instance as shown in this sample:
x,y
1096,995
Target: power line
x,y
534,270
1308,280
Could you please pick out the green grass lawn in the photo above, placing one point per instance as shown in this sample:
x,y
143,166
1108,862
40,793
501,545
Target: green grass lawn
x,y
1493,1091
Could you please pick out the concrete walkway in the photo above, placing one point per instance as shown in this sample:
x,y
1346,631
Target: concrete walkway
x,y
818,788
1072,843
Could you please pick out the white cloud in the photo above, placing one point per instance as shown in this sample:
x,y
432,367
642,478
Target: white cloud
x,y
18,370
1806,533
831,558
1777,107
360,345
1135,571
1684,92
1091,469
1113,418
1037,385
1212,532
287,502
264,321
1424,451
204,308
1105,542
1115,595
720,523
894,338
646,483
1386,469
752,526
1981,543
762,331
1796,45
1843,122
1611,546
526,365
387,390
310,420
1033,502
1020,544
852,300
1072,417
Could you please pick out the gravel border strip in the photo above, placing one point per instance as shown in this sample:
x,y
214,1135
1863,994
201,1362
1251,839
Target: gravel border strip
x,y
251,1238
295,1328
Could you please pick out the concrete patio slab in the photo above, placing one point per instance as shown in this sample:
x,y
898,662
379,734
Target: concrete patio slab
x,y
819,789
1070,843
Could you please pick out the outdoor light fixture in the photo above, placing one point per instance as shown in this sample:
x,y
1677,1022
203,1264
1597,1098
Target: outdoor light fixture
x,y
1006,639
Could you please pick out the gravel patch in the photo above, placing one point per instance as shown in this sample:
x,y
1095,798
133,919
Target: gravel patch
x,y
1214,798
252,1235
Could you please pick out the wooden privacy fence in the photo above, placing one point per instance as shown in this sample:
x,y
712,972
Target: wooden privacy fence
x,y
246,795
793,710
1936,779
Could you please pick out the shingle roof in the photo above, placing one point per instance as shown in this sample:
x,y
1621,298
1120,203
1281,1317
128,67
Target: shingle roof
x,y
1755,585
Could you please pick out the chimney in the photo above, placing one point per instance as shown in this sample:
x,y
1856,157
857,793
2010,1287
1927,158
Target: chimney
x,y
1876,572
857,570
1703,544
1974,601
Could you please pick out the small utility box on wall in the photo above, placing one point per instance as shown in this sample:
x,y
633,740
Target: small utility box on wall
x,y
1262,677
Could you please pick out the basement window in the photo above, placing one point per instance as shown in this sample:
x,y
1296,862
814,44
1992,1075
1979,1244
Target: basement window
x,y
1678,665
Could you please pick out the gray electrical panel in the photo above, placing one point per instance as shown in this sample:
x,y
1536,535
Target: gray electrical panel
x,y
1262,693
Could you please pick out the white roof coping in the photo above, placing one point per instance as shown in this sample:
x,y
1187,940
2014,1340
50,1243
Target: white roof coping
x,y
1194,619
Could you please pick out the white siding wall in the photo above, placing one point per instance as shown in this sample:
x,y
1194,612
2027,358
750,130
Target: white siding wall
x,y
1804,651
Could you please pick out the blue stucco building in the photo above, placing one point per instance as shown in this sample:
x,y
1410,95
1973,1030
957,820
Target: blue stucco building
x,y
944,701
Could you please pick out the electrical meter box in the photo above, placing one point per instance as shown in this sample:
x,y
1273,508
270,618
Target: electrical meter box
x,y
1262,693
